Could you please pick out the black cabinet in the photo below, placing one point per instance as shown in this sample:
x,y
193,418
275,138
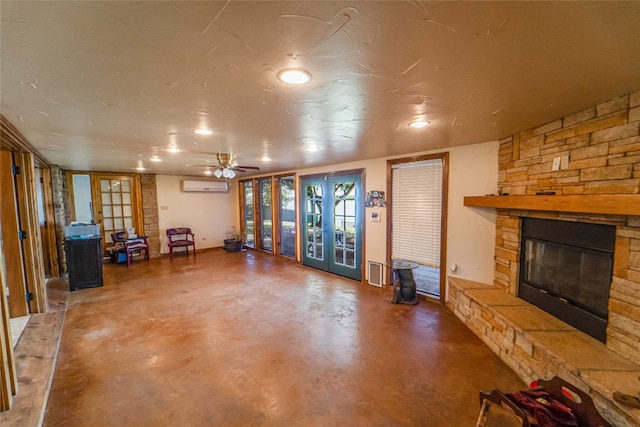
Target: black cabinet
x,y
84,262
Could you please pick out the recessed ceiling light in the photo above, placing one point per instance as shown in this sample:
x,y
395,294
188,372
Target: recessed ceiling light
x,y
419,124
312,148
208,172
173,149
265,158
140,168
294,76
203,131
155,159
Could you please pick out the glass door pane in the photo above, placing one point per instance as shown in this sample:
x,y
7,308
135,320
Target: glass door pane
x,y
266,215
346,225
247,200
117,208
287,216
314,222
313,226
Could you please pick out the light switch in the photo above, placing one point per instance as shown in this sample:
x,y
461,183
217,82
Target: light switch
x,y
556,164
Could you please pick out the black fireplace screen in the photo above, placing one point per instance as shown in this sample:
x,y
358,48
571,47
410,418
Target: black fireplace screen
x,y
566,270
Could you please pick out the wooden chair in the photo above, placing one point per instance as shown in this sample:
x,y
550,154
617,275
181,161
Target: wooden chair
x,y
181,238
118,238
130,246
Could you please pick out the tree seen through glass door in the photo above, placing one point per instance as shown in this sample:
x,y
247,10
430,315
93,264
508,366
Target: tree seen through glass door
x,y
332,223
266,215
344,218
247,201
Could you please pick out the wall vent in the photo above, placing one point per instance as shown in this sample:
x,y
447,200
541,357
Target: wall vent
x,y
375,273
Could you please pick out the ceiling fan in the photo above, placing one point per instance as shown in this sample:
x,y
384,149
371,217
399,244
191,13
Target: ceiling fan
x,y
225,168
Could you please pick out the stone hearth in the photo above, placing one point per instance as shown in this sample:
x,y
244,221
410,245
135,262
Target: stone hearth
x,y
537,345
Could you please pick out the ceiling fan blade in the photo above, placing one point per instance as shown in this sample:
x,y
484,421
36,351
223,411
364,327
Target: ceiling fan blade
x,y
203,166
248,167
237,169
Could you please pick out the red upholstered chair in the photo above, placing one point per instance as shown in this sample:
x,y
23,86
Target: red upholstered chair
x,y
181,238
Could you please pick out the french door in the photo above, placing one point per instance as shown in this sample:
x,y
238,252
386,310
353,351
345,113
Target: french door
x,y
116,205
286,215
332,223
111,200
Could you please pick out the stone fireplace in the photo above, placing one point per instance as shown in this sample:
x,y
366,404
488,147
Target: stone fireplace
x,y
580,171
603,148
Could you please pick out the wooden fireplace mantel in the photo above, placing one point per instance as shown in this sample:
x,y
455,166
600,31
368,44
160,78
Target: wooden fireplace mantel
x,y
613,204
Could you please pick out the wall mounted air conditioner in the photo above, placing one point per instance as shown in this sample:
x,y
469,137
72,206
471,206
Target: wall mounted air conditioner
x,y
189,186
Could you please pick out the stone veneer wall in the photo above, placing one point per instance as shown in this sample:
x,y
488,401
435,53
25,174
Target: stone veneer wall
x,y
150,213
603,145
61,212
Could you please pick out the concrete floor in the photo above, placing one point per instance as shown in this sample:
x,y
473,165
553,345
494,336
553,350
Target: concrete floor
x,y
244,339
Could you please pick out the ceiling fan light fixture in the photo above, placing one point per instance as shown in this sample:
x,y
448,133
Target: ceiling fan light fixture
x,y
294,76
417,124
217,173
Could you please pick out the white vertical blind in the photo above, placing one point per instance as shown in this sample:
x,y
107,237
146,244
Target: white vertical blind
x,y
417,211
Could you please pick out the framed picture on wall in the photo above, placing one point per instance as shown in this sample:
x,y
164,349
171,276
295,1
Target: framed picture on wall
x,y
375,198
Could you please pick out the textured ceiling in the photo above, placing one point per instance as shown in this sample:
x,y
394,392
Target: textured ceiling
x,y
105,86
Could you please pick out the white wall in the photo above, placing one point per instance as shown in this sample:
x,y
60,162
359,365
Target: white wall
x,y
209,215
473,170
471,232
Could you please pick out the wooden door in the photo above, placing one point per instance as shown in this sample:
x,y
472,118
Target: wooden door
x,y
12,246
117,204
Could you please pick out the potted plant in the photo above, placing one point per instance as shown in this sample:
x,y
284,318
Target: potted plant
x,y
234,241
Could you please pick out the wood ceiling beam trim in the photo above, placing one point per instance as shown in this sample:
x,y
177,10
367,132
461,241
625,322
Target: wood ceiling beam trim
x,y
12,140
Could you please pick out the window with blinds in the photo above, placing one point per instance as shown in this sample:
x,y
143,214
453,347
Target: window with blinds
x,y
417,211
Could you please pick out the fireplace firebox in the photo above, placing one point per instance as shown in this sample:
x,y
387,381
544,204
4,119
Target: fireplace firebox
x,y
566,269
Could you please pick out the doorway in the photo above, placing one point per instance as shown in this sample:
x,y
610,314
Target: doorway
x,y
332,223
418,189
113,201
